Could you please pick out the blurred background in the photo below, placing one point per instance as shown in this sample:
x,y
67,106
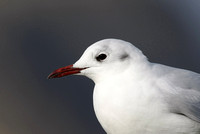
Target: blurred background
x,y
39,36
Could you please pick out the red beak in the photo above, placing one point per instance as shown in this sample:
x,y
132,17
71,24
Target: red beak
x,y
68,70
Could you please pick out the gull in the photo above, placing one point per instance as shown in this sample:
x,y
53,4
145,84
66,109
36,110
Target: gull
x,y
134,96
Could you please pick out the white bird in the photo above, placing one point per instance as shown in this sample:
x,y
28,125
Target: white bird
x,y
133,96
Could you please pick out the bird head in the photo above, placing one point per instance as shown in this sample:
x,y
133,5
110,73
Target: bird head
x,y
105,57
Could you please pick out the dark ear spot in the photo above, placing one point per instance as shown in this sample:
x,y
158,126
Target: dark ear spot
x,y
124,56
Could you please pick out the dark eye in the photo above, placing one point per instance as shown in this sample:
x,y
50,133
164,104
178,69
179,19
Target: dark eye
x,y
101,57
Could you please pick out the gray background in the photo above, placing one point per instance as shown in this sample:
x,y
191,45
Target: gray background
x,y
38,36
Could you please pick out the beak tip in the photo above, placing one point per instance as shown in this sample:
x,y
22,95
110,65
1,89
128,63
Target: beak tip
x,y
49,77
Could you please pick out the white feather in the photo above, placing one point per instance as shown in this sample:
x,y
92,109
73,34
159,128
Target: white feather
x,y
134,96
